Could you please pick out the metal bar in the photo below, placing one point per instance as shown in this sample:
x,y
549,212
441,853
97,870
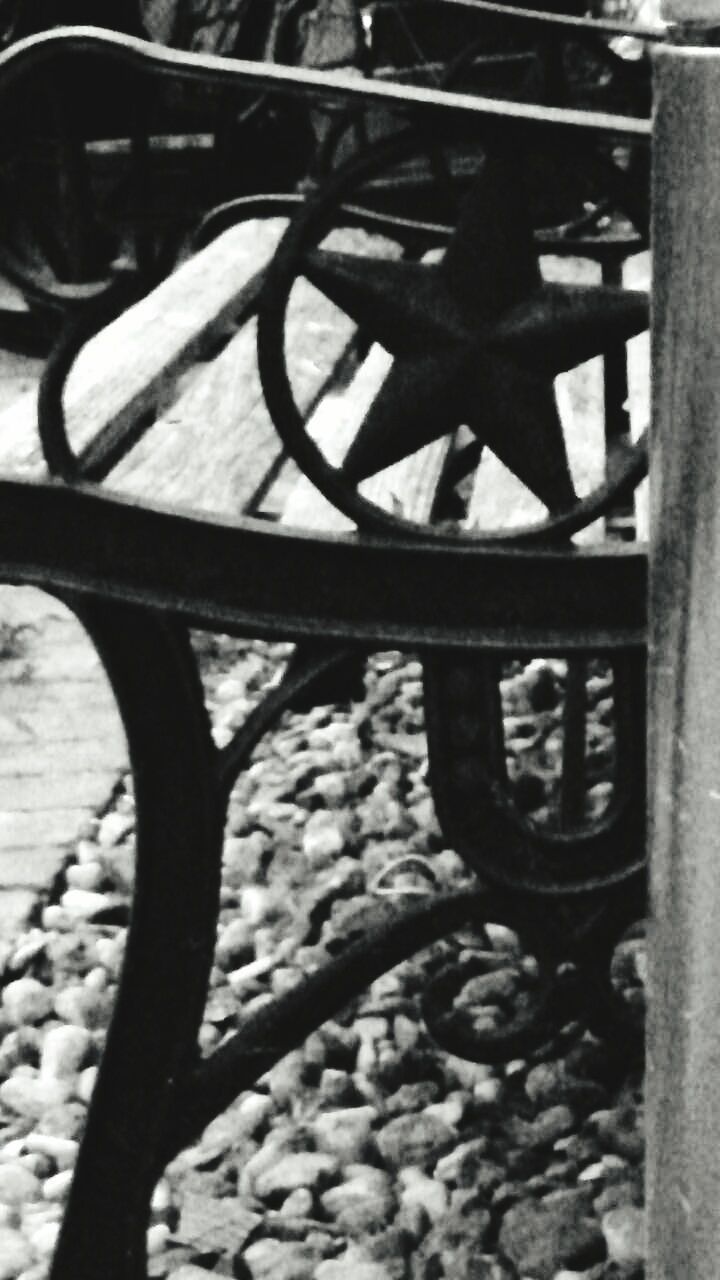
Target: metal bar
x,y
277,1028
683,1132
543,17
255,581
151,1044
620,521
35,50
573,779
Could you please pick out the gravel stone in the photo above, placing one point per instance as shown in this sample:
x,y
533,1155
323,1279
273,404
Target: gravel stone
x,y
360,1204
460,1166
113,828
413,1140
58,1186
65,1120
351,1269
65,1050
26,1001
539,1238
298,1169
323,839
18,1184
624,1231
15,1254
346,1133
428,1193
337,1088
86,875
32,1096
86,1083
299,1204
82,903
235,944
82,1007
280,1260
20,1047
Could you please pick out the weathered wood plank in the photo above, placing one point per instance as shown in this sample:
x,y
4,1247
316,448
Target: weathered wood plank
x,y
212,447
498,499
407,488
122,371
683,1077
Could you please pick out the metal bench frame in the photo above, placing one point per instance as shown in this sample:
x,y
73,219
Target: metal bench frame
x,y
138,576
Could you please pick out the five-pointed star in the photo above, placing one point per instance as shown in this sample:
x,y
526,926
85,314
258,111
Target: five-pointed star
x,y
477,339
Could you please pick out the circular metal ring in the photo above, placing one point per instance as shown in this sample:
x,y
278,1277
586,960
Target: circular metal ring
x,y
625,469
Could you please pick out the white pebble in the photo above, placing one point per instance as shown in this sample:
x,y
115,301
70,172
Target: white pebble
x,y
28,1096
12,1149
157,1238
15,1254
87,875
53,917
110,952
624,1231
30,945
86,1083
254,903
487,1091
239,978
96,979
427,1193
62,1150
58,1186
44,1239
26,1001
113,827
323,842
86,851
161,1198
253,1110
82,904
64,1050
18,1185
81,1007
228,688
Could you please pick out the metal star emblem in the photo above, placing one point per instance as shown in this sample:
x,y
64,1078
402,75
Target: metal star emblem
x,y
477,339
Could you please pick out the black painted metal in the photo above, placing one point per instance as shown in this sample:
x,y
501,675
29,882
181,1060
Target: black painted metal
x,y
248,579
471,336
36,51
152,1038
138,577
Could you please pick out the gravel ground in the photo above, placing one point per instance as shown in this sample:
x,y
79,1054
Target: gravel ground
x,y
369,1154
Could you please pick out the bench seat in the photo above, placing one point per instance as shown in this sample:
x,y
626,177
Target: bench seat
x,y
175,378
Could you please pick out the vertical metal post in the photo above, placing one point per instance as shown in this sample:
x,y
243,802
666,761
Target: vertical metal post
x,y
620,522
683,1131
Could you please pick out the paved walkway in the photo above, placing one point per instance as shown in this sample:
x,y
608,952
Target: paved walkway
x,y
61,742
62,747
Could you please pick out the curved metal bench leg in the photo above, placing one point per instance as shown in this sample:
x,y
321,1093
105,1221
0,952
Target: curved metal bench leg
x,y
153,1035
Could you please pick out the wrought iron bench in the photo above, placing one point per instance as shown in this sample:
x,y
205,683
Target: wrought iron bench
x,y
143,552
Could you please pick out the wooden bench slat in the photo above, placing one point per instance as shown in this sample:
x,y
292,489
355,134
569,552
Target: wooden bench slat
x,y
212,447
121,372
